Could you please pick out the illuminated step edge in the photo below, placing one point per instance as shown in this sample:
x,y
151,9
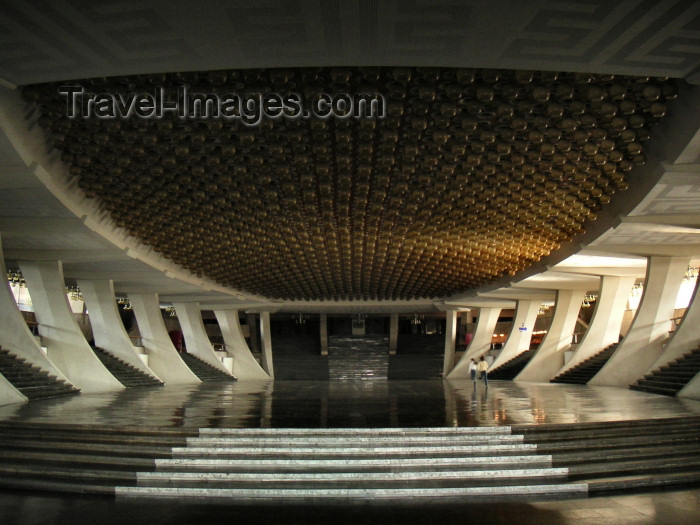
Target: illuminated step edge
x,y
369,495
350,463
363,477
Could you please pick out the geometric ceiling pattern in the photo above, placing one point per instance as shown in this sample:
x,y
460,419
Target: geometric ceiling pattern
x,y
470,175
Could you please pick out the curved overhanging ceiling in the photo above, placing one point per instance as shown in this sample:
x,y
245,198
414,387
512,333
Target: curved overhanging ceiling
x,y
472,175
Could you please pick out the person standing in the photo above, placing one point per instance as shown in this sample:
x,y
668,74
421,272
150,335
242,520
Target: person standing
x,y
483,368
472,369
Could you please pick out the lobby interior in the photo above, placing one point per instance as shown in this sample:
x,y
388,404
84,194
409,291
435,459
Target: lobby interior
x,y
530,195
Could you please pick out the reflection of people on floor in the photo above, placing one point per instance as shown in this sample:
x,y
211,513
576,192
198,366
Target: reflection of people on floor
x,y
482,368
472,369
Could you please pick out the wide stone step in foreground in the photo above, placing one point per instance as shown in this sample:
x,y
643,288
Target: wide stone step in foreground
x,y
343,465
349,465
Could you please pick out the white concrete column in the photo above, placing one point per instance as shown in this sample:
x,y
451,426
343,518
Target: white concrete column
x,y
163,358
644,342
107,326
393,333
481,342
323,332
519,339
198,344
450,339
245,367
549,357
60,333
15,335
606,321
266,344
685,339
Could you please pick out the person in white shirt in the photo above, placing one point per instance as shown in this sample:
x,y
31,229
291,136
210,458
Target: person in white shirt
x,y
472,369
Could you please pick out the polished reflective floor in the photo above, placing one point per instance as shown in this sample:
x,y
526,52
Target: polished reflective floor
x,y
352,404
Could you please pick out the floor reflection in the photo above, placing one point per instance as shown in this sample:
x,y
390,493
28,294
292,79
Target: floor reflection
x,y
352,404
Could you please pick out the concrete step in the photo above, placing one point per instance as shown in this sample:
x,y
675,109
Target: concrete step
x,y
603,486
358,452
61,459
634,466
315,480
351,442
354,464
399,433
363,495
71,475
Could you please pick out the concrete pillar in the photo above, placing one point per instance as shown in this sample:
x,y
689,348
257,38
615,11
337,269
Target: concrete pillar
x,y
196,339
323,333
644,342
450,339
245,367
393,333
107,326
163,358
549,357
521,333
266,343
253,333
59,331
606,321
481,342
685,339
16,337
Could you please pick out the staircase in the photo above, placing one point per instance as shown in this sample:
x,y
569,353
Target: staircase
x,y
78,458
668,380
512,368
31,380
358,357
127,375
622,455
352,465
358,465
585,370
204,371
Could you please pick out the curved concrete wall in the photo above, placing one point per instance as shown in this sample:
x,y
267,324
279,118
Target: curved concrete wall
x,y
196,338
604,329
519,340
60,333
163,358
14,332
245,367
480,343
644,342
549,357
107,326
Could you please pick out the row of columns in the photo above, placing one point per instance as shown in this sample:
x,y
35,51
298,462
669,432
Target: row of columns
x,y
645,347
70,357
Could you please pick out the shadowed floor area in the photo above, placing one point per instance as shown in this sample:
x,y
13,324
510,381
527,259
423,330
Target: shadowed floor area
x,y
678,507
